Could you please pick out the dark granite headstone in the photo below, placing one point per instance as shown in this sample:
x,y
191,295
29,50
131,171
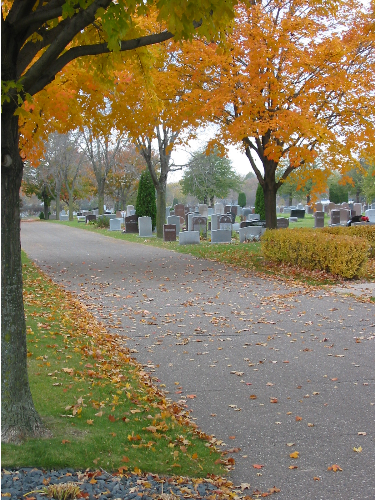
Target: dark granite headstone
x,y
299,213
319,219
282,223
169,232
131,224
335,217
90,218
225,221
179,209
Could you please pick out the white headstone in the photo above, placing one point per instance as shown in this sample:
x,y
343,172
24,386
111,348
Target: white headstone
x,y
145,226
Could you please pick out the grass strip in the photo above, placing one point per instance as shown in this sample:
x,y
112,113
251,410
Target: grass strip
x,y
101,406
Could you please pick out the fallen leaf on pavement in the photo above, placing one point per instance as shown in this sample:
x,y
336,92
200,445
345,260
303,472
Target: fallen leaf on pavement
x,y
335,468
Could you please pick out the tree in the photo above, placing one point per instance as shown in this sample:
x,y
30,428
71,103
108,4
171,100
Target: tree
x,y
242,199
102,155
38,39
146,201
209,175
368,182
39,181
338,189
288,86
259,203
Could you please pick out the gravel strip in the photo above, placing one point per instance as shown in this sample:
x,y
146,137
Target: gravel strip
x,y
28,483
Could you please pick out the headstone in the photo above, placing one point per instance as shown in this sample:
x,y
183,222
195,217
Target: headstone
x,y
129,210
131,224
345,205
251,233
370,213
145,227
335,217
203,210
310,210
282,223
62,212
319,219
253,217
221,236
169,232
358,208
179,210
200,224
319,207
281,210
115,224
174,219
118,214
225,222
189,221
286,210
210,211
110,216
246,211
236,226
215,221
95,212
299,213
64,217
293,219
300,206
81,218
331,206
188,238
234,209
344,215
227,208
90,217
219,208
326,209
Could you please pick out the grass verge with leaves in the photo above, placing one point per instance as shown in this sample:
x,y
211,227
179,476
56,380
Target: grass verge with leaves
x,y
102,408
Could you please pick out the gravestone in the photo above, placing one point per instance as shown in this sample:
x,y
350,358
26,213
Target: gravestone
x,y
131,224
358,208
90,217
81,218
282,223
115,224
253,217
286,210
227,208
281,210
221,236
310,210
299,213
200,224
179,210
319,207
225,222
129,210
344,215
118,214
174,219
331,206
210,211
215,222
246,211
64,217
189,238
145,227
251,232
234,209
370,213
300,206
345,205
245,223
335,217
319,219
203,210
219,208
62,212
169,232
326,209
189,221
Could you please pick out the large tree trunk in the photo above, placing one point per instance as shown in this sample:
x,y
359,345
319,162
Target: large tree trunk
x,y
270,190
18,415
101,183
161,205
70,205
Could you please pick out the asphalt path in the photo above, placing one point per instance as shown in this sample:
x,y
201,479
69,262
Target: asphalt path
x,y
268,367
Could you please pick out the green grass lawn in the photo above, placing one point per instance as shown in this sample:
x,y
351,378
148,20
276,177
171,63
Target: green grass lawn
x,y
101,407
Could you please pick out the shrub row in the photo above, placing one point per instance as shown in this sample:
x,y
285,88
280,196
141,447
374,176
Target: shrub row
x,y
367,232
311,249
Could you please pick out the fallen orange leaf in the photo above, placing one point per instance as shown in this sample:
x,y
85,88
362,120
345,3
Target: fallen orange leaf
x,y
295,454
335,468
191,396
257,466
298,419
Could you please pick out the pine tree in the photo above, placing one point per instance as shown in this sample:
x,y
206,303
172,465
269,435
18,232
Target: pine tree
x,y
146,201
242,199
259,203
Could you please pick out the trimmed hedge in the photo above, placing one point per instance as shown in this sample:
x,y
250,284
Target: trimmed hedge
x,y
334,253
367,232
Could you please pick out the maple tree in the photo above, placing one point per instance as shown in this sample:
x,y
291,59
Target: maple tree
x,y
297,83
38,40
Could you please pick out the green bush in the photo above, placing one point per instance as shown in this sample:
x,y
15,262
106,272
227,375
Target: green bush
x,y
41,216
242,199
102,222
337,254
146,201
260,207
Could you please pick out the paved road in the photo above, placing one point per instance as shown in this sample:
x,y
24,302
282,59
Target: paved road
x,y
238,343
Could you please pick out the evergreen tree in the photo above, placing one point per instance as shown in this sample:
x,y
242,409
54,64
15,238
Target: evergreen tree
x,y
242,199
259,203
146,201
